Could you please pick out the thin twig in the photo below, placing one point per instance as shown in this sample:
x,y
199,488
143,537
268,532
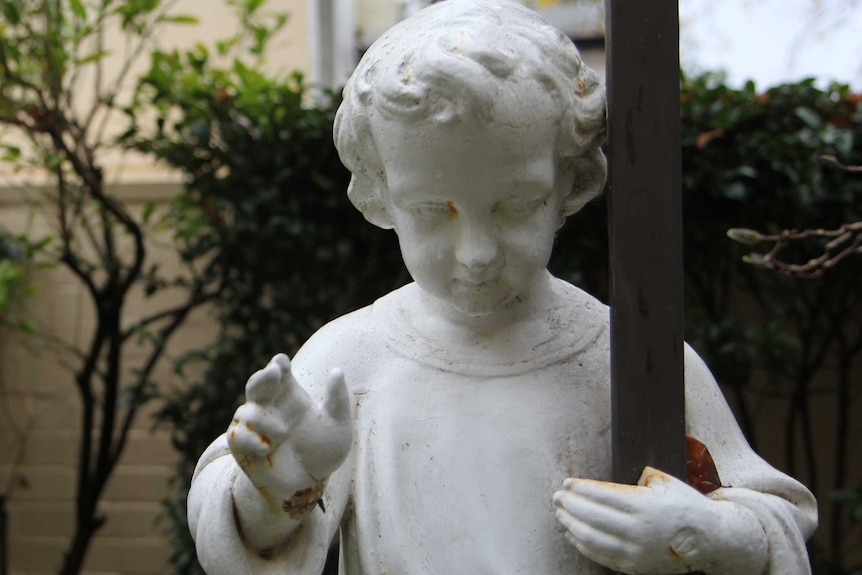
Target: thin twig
x,y
845,241
146,37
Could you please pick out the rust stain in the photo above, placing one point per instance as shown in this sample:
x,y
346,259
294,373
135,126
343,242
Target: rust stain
x,y
674,552
303,501
582,88
269,461
263,438
453,211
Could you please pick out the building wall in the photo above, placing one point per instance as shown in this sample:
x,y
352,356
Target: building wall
x,y
40,421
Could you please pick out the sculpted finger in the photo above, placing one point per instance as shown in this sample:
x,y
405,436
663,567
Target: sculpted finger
x,y
608,519
615,563
625,498
337,400
245,442
265,385
591,541
282,361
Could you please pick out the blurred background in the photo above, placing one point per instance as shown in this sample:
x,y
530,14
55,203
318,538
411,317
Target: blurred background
x,y
173,213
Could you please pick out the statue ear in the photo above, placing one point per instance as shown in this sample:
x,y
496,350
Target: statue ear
x,y
369,198
590,172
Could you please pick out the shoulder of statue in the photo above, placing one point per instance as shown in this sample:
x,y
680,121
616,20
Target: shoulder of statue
x,y
345,343
579,302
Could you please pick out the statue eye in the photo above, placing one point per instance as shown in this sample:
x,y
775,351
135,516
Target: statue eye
x,y
433,210
519,207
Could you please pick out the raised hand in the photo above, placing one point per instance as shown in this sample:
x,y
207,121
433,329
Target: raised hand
x,y
285,443
659,526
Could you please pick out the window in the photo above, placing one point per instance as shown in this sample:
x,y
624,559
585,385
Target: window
x,y
341,30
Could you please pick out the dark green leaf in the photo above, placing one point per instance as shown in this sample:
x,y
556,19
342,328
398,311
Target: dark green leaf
x,y
809,116
11,11
78,9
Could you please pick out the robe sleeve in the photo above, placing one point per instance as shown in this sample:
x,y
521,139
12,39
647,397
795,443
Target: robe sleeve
x,y
212,521
218,541
786,510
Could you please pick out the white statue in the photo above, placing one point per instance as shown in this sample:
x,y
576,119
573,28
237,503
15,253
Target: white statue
x,y
461,424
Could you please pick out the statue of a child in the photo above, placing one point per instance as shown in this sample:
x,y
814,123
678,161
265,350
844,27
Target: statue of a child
x,y
469,398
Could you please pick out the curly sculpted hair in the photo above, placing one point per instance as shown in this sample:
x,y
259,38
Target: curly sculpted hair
x,y
464,60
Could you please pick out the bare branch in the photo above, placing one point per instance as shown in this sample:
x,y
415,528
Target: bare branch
x,y
177,316
12,78
833,161
16,121
91,176
846,241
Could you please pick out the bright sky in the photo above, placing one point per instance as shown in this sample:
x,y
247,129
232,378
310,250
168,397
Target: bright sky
x,y
773,41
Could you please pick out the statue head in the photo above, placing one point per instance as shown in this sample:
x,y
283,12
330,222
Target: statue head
x,y
471,121
464,61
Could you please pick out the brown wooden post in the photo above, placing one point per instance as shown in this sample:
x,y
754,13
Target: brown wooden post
x,y
645,211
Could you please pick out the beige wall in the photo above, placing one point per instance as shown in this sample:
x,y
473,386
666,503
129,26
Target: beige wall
x,y
289,51
40,427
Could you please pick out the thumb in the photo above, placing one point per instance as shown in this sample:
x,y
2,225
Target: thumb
x,y
652,477
337,401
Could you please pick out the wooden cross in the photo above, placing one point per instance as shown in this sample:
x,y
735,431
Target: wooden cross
x,y
645,214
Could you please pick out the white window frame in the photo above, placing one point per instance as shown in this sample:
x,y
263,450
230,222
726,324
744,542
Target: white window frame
x,y
332,38
334,44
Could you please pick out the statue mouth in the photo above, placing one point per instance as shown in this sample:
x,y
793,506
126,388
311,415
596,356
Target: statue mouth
x,y
474,285
476,279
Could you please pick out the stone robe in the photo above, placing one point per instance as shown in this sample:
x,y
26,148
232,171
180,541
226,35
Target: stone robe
x,y
459,449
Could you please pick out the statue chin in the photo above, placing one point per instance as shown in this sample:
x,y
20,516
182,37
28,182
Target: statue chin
x,y
479,301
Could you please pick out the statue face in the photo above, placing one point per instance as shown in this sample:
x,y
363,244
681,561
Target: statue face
x,y
475,208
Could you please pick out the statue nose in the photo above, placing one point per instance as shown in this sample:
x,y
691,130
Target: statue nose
x,y
478,248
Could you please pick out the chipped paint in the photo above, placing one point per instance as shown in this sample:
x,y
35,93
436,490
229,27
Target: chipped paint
x,y
582,88
453,211
303,501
